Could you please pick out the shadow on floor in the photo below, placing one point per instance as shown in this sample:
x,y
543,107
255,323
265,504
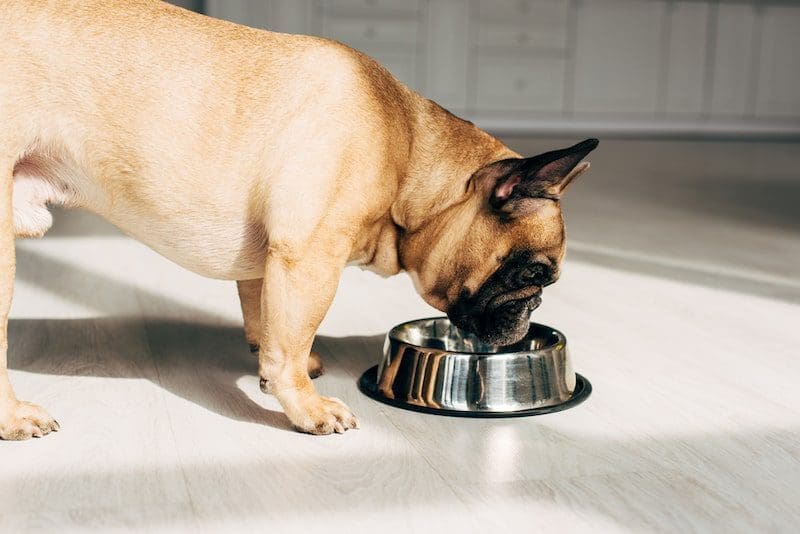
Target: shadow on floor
x,y
200,363
761,201
764,201
70,282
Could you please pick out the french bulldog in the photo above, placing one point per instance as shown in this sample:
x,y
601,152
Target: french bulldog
x,y
274,160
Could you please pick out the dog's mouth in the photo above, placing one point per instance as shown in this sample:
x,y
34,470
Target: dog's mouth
x,y
531,293
503,320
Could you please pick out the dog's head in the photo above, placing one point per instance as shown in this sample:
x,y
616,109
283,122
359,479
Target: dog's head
x,y
486,259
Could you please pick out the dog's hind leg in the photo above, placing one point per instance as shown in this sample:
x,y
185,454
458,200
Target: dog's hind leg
x,y
250,299
18,420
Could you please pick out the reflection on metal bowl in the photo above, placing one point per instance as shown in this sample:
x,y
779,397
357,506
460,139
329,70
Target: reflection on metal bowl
x,y
430,365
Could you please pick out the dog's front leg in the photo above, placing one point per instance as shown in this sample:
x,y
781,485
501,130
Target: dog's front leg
x,y
18,419
299,285
250,299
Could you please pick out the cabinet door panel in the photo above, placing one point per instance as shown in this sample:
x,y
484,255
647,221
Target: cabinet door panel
x,y
370,6
500,35
448,49
686,68
237,11
357,31
519,11
778,91
520,84
733,59
291,16
618,56
541,23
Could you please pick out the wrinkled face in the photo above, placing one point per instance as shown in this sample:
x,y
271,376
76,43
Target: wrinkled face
x,y
486,261
497,309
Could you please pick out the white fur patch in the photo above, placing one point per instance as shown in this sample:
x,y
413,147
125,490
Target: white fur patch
x,y
30,198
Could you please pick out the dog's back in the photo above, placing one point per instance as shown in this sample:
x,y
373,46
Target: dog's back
x,y
136,53
107,105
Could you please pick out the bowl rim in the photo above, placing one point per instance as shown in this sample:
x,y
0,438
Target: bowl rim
x,y
560,344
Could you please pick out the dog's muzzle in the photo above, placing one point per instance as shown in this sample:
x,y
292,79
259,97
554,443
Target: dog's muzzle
x,y
500,321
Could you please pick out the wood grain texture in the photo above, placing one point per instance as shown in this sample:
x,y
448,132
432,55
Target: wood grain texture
x,y
680,299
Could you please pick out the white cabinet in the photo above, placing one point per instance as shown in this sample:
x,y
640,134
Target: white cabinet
x,y
371,6
778,93
685,70
289,16
255,14
519,83
448,53
733,62
717,65
370,33
522,24
391,32
618,56
519,60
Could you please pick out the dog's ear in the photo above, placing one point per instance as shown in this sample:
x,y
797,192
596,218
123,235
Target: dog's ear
x,y
522,185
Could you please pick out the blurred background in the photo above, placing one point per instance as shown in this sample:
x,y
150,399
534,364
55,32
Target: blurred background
x,y
656,67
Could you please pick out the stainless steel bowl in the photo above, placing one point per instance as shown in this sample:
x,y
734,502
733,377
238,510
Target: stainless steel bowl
x,y
430,365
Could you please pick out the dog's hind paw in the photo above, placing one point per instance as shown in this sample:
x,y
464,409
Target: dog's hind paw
x,y
24,420
315,367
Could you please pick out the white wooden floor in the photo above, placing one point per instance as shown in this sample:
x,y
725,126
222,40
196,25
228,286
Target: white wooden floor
x,y
680,298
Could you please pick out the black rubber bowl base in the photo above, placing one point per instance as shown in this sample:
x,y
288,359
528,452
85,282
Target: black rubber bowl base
x,y
368,386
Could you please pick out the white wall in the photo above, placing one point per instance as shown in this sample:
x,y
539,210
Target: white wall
x,y
639,66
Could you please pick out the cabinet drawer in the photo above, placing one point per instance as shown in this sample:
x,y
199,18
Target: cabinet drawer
x,y
521,84
357,31
618,56
523,12
733,59
537,24
503,36
370,6
778,92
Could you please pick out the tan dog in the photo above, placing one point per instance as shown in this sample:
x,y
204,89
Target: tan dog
x,y
270,159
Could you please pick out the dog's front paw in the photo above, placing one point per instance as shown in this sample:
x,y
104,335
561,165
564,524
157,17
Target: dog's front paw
x,y
323,415
23,420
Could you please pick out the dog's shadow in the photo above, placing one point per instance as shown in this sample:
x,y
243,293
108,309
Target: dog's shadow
x,y
200,361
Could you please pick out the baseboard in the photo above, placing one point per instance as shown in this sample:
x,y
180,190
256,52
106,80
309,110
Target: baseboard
x,y
763,130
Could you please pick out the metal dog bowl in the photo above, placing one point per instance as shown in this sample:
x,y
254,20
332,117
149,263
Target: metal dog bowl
x,y
430,365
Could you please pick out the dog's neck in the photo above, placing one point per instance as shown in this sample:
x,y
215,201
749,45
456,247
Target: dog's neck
x,y
444,151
